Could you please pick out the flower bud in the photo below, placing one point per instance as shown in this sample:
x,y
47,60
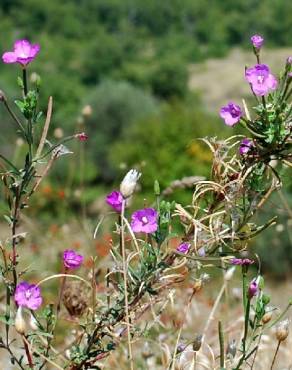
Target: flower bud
x,y
33,323
129,183
268,315
231,349
197,342
2,96
252,289
229,273
20,324
282,330
87,110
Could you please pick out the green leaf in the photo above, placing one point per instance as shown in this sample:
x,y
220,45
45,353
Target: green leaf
x,y
6,321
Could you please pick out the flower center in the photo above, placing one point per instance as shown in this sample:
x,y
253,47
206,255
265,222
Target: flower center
x,y
144,220
27,294
261,79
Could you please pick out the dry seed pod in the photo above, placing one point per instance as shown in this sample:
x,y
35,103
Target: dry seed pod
x,y
268,315
282,330
75,298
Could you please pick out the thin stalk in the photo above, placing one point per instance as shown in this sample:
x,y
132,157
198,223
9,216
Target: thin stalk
x,y
61,291
24,80
27,352
126,285
221,342
275,355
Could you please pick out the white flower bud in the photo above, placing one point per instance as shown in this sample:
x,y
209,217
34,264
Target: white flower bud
x,y
129,183
33,323
20,325
229,273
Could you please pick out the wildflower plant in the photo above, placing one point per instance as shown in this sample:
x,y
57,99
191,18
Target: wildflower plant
x,y
145,268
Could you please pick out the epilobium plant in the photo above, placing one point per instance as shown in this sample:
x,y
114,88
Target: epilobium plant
x,y
145,268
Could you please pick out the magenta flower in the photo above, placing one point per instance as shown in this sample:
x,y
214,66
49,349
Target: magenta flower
x,y
184,248
28,295
241,261
144,221
261,80
231,113
115,200
245,146
82,136
257,41
24,52
71,259
253,288
289,60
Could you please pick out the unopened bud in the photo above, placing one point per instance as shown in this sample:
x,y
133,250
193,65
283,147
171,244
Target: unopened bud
x,y
2,96
35,79
268,315
87,110
33,323
20,325
82,136
253,288
282,330
129,183
231,349
197,342
229,273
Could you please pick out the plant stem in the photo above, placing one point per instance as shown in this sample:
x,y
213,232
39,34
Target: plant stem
x,y
27,352
221,342
24,80
126,285
275,355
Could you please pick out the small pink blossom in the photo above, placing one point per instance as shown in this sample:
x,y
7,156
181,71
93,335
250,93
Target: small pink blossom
x,y
257,41
231,113
253,288
28,295
82,136
24,52
184,248
144,221
115,200
241,261
245,146
71,259
261,80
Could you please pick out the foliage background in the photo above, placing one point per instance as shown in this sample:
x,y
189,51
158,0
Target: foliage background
x,y
145,69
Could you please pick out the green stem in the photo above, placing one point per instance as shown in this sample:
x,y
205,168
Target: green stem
x,y
24,80
221,342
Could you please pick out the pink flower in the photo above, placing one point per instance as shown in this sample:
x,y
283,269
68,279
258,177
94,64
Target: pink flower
x,y
231,113
245,146
82,136
71,259
184,248
241,261
28,295
115,200
24,52
261,80
253,288
144,221
257,41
